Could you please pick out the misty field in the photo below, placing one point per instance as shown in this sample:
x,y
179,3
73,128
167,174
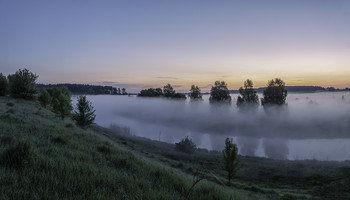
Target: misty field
x,y
312,126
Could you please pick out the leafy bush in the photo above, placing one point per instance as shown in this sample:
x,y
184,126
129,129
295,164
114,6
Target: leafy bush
x,y
18,156
22,84
186,145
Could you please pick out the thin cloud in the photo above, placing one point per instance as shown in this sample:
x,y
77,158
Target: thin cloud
x,y
167,77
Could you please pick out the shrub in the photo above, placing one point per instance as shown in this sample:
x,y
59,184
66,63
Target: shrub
x,y
18,156
186,145
22,84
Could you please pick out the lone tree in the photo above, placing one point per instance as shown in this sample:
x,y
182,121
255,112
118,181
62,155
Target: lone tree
x,y
248,99
186,145
44,98
85,113
195,93
220,93
168,90
62,105
22,84
3,85
275,93
231,162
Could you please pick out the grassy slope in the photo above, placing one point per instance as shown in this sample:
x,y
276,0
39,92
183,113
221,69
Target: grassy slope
x,y
72,163
56,160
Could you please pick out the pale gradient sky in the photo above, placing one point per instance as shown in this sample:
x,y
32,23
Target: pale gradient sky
x,y
140,44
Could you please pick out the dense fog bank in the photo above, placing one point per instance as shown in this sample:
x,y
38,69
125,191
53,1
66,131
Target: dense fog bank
x,y
307,116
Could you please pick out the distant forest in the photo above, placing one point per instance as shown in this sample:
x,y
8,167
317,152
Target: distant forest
x,y
302,89
86,89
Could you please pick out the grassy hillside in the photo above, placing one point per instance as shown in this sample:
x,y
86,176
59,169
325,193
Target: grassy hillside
x,y
43,157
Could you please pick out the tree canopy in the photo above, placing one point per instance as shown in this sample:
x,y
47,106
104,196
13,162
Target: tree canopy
x,y
275,93
22,84
219,92
248,99
195,93
151,92
168,90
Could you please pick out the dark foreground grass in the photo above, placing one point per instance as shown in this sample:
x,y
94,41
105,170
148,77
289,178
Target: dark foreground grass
x,y
43,157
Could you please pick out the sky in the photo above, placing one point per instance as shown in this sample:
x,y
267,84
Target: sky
x,y
142,44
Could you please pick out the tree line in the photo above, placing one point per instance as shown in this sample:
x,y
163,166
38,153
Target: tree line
x,y
86,89
274,94
22,85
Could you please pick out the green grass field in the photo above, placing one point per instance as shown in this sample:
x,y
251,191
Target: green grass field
x,y
44,157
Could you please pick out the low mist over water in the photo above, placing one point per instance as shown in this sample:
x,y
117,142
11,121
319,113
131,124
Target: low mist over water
x,y
313,126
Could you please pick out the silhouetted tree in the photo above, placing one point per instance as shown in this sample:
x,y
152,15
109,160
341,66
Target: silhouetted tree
x,y
22,84
275,93
3,85
85,113
220,93
230,162
44,98
178,96
186,145
248,99
168,90
195,93
62,105
124,91
151,92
